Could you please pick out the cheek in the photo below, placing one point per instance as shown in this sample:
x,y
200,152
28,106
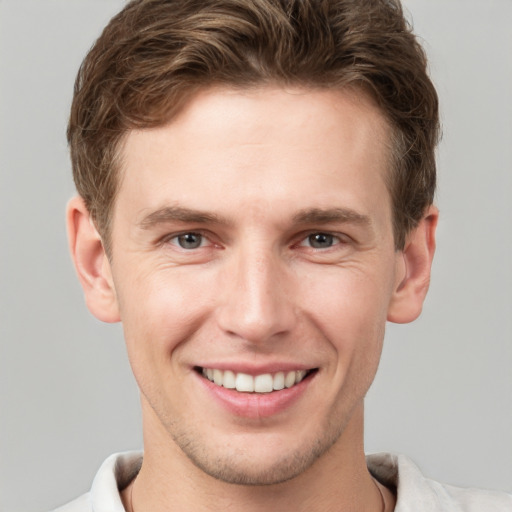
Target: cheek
x,y
349,303
159,312
351,314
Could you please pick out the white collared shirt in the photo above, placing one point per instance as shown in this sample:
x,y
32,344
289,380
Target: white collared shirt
x,y
415,493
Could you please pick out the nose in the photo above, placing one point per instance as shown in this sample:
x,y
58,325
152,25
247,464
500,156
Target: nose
x,y
256,299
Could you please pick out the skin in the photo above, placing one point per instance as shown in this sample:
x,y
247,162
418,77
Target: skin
x,y
255,176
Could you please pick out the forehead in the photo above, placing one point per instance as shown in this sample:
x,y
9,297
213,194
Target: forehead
x,y
262,146
258,109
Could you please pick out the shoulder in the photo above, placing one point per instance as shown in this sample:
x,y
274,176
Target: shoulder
x,y
416,492
476,500
115,474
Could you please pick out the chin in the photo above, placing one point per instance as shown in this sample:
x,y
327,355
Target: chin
x,y
264,465
255,473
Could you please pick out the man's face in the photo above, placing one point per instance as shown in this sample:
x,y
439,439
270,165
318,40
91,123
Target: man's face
x,y
253,246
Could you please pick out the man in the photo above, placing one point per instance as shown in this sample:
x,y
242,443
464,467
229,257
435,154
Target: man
x,y
256,184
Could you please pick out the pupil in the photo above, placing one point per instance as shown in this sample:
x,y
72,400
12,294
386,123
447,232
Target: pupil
x,y
190,241
320,240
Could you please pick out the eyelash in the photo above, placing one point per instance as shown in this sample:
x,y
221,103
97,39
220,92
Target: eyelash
x,y
305,238
332,238
175,240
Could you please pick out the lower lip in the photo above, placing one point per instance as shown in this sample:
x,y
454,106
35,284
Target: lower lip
x,y
257,405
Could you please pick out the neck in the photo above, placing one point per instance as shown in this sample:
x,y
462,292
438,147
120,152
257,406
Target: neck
x,y
338,481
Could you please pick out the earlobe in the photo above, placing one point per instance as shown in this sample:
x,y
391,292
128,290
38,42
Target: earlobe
x,y
91,262
407,300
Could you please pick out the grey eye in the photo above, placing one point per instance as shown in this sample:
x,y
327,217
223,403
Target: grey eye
x,y
321,240
190,240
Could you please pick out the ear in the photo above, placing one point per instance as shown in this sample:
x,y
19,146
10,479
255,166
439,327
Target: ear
x,y
415,262
91,262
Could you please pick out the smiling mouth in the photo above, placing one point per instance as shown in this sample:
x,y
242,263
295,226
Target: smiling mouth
x,y
263,383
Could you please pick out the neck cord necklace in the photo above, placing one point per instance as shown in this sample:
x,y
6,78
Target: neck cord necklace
x,y
130,500
382,498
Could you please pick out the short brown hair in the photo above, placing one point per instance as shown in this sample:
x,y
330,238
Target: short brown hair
x,y
155,54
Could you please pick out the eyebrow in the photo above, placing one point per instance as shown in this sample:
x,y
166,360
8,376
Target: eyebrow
x,y
179,214
307,216
325,216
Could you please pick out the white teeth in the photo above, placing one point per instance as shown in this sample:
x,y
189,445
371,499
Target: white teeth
x,y
229,380
300,374
278,383
244,382
289,380
217,377
264,383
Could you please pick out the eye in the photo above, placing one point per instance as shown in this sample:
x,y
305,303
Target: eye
x,y
189,240
320,240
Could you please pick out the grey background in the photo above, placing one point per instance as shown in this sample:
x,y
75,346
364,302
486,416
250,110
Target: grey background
x,y
443,394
